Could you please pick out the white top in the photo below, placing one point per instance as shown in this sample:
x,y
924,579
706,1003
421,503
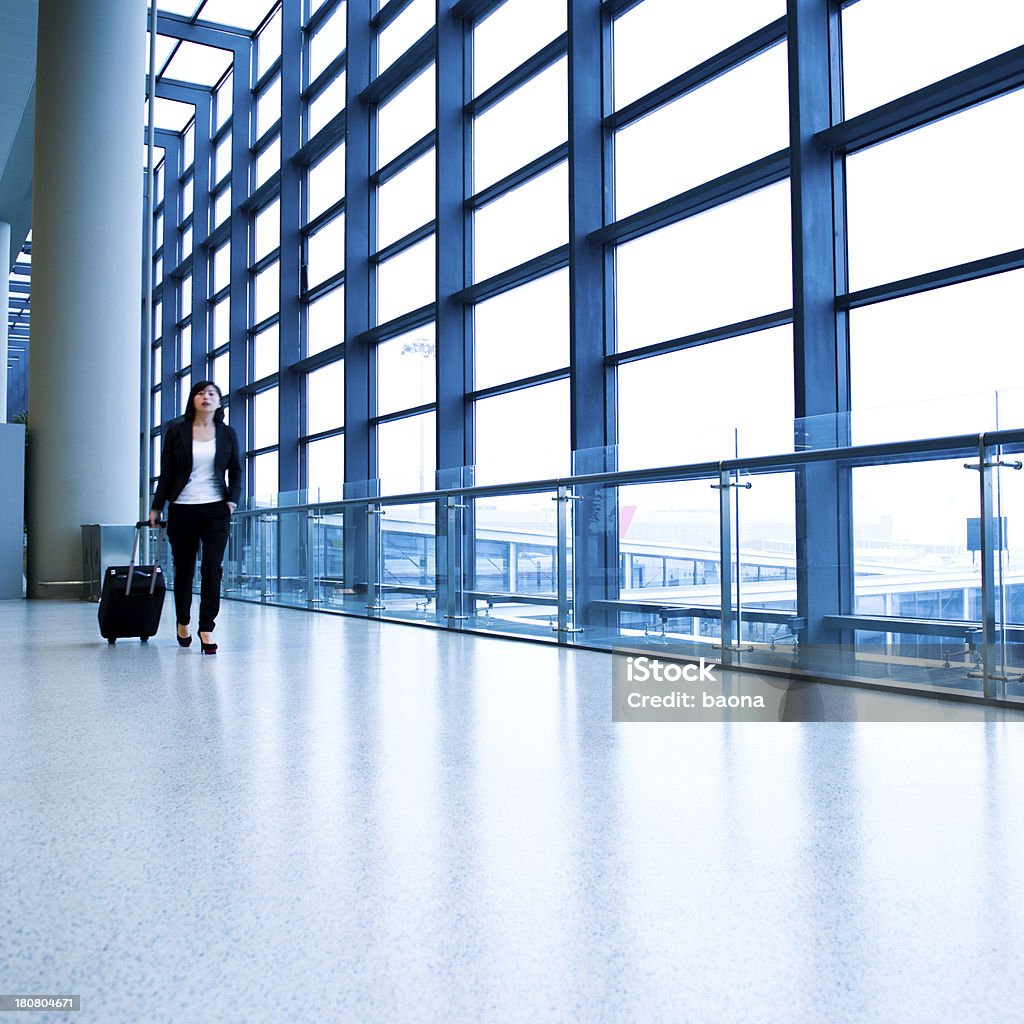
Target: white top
x,y
201,488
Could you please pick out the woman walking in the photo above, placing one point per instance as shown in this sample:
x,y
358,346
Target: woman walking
x,y
199,450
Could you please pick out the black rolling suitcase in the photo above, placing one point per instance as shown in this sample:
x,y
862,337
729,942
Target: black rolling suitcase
x,y
132,597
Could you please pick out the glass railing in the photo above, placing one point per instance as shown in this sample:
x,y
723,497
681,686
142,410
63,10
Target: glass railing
x,y
896,564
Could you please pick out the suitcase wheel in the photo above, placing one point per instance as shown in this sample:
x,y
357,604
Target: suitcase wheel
x,y
144,639
111,641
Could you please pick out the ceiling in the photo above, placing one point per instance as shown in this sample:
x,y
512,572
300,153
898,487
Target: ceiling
x,y
17,112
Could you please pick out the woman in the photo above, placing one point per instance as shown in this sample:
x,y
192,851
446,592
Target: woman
x,y
198,451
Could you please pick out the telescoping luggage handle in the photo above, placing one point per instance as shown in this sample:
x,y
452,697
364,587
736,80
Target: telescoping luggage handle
x,y
139,526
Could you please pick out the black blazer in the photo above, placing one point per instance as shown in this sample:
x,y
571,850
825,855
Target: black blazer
x,y
176,462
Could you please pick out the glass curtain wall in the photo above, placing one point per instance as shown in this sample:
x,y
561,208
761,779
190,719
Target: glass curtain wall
x,y
538,236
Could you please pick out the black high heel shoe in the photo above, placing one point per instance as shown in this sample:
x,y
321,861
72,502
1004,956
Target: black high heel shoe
x,y
207,648
183,641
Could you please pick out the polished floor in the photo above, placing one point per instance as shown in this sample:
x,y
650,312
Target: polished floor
x,y
341,820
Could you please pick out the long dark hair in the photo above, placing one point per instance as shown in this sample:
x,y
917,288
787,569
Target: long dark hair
x,y
190,405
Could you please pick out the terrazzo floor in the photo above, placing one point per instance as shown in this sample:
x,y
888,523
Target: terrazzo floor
x,y
341,820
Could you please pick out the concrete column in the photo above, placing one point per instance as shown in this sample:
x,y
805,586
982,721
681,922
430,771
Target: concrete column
x,y
86,250
5,303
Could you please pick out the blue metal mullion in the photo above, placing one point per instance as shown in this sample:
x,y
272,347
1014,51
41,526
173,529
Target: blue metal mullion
x,y
591,383
360,459
416,59
201,216
208,33
238,315
290,403
535,168
172,288
821,385
549,54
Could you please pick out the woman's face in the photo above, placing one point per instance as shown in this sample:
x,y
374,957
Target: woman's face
x,y
207,401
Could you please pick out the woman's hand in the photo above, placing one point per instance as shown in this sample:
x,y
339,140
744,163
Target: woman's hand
x,y
154,517
231,507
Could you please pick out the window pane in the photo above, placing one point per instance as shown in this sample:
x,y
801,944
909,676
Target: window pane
x,y
892,47
266,293
326,182
268,107
267,229
403,32
522,224
220,372
264,475
268,161
723,266
405,370
325,467
266,353
326,251
515,31
406,281
223,100
682,144
219,324
537,447
325,321
942,195
529,122
222,206
187,198
406,457
186,297
659,39
406,201
328,42
264,414
188,147
194,62
221,267
671,409
222,158
405,117
268,45
326,105
325,398
931,364
184,346
522,332
184,387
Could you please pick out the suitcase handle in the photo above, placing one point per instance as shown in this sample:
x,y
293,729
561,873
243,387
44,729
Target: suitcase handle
x,y
139,527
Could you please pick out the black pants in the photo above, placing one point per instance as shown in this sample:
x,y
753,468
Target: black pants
x,y
187,527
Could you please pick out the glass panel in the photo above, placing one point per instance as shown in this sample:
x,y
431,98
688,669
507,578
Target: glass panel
x,y
723,266
537,448
405,370
263,469
187,197
407,200
916,203
185,307
221,262
184,387
194,62
268,107
266,293
325,468
157,366
523,223
326,251
245,14
406,281
186,243
515,31
408,563
325,321
397,37
522,332
682,144
188,147
326,104
325,398
222,158
326,182
223,99
930,365
513,554
266,354
222,206
220,333
659,39
267,230
406,454
893,47
264,414
671,410
527,123
171,116
268,162
268,45
406,117
220,372
326,44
